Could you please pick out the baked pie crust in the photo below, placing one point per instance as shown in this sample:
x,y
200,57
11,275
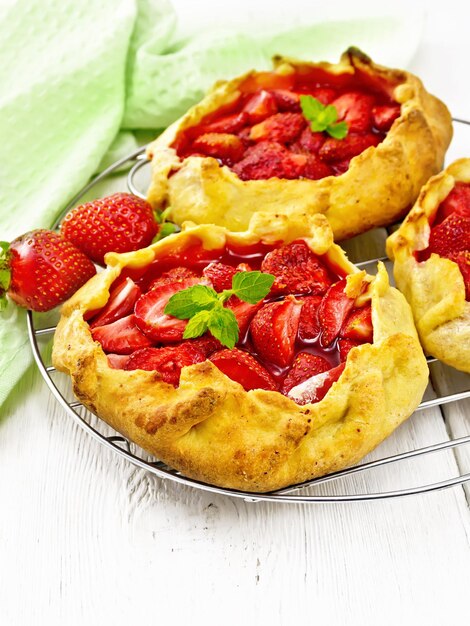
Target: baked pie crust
x,y
209,427
434,288
378,188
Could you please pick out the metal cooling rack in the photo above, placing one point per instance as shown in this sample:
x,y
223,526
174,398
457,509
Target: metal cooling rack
x,y
94,426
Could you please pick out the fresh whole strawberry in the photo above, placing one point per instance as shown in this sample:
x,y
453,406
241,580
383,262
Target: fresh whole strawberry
x,y
243,368
167,361
274,330
332,311
119,223
450,236
304,366
297,270
40,269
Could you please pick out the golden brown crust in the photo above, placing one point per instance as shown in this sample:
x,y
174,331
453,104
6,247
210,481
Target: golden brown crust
x,y
379,186
209,427
434,288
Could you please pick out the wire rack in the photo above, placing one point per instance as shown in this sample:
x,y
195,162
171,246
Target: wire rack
x,y
59,384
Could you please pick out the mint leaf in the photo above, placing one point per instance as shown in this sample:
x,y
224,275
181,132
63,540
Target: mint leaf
x,y
322,118
338,131
197,325
187,302
223,326
252,287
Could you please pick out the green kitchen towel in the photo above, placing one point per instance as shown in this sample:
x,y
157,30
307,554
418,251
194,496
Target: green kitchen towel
x,y
73,75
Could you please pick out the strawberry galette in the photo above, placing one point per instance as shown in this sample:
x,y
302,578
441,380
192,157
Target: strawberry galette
x,y
250,360
431,253
354,141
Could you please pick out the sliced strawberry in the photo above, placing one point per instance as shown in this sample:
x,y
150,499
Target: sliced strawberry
x,y
229,124
151,319
274,330
358,325
207,344
297,270
224,146
309,141
244,312
326,95
121,302
260,106
220,275
355,108
458,202
175,275
309,328
121,337
332,312
304,366
463,261
315,388
286,100
451,235
316,169
282,127
117,361
244,369
168,361
384,115
347,148
344,346
269,159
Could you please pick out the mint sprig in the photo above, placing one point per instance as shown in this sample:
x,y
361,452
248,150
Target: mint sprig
x,y
204,307
323,117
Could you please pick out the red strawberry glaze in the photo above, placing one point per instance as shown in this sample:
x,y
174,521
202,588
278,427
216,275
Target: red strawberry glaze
x,y
272,130
275,346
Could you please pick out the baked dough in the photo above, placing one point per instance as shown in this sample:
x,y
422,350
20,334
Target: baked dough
x,y
434,288
209,427
377,189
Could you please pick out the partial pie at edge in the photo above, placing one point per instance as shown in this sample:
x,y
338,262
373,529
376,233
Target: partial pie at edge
x,y
378,187
435,287
209,427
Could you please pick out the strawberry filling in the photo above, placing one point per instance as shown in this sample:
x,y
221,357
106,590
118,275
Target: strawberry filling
x,y
293,341
450,232
264,133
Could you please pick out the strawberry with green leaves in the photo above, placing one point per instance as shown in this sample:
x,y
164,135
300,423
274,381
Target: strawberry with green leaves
x,y
40,269
121,222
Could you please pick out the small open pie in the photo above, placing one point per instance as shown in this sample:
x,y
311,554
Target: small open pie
x,y
249,146
431,253
327,365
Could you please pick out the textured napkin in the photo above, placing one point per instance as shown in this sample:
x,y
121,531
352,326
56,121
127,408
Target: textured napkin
x,y
77,77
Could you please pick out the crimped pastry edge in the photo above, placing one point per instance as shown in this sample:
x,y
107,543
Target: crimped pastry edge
x,y
377,189
209,427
